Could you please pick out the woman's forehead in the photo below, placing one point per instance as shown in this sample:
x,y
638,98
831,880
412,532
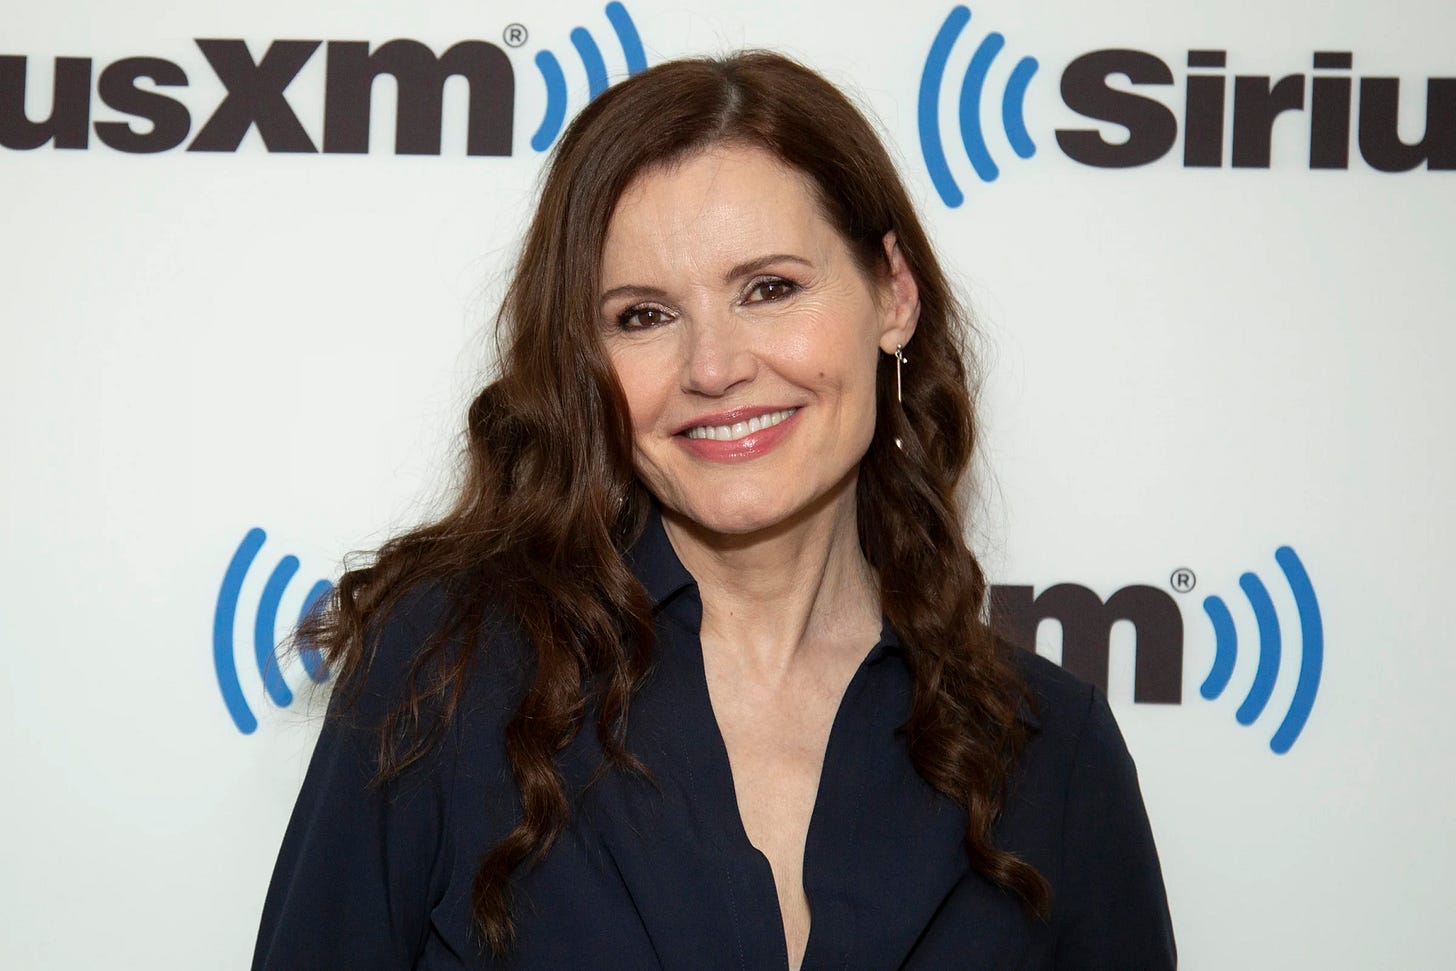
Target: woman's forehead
x,y
714,208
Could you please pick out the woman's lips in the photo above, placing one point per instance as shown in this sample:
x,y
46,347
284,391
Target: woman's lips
x,y
751,445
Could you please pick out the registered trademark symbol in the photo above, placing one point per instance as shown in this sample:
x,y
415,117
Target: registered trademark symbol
x,y
1182,580
515,35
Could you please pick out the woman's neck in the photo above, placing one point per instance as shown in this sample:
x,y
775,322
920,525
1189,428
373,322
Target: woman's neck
x,y
786,594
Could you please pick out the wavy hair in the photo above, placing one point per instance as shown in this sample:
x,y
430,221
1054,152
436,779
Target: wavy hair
x,y
544,512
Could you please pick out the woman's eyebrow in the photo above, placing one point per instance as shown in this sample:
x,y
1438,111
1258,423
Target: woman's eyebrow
x,y
637,291
634,290
754,265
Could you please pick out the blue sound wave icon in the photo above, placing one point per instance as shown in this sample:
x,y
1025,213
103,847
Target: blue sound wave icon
x,y
265,646
592,63
1270,650
1013,101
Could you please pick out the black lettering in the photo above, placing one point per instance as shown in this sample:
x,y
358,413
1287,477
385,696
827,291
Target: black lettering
x,y
255,96
1151,126
169,118
1380,141
1256,105
420,77
1087,628
1329,113
70,118
1203,113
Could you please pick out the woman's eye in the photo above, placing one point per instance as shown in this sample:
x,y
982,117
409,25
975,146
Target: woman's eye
x,y
774,288
641,318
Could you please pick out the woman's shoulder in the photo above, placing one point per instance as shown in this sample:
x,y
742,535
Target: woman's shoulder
x,y
398,801
430,630
1075,812
1071,723
1057,695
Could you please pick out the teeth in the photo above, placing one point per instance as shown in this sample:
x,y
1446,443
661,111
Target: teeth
x,y
741,429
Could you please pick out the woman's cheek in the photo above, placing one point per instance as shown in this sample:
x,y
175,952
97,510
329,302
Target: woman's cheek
x,y
642,378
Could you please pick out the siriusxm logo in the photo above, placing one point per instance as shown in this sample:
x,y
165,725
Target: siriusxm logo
x,y
151,92
1086,624
1093,86
265,631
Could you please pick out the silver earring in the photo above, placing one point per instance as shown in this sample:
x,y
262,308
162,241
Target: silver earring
x,y
900,360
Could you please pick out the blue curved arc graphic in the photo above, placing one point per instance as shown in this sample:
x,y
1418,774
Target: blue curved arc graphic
x,y
555,115
312,662
970,106
591,60
1269,650
1311,666
222,631
928,106
595,67
265,631
1013,108
1225,641
628,37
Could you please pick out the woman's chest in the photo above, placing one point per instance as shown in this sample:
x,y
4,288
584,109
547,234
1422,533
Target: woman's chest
x,y
665,869
776,758
655,877
773,735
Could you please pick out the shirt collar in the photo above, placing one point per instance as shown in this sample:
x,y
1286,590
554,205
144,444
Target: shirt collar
x,y
654,562
656,565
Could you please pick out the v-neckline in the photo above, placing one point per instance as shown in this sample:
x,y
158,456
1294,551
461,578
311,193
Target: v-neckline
x,y
720,765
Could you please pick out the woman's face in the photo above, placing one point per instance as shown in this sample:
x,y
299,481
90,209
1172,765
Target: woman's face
x,y
745,337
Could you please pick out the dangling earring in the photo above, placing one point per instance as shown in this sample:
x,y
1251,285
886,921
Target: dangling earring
x,y
900,361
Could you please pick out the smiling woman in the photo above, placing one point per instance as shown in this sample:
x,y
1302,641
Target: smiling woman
x,y
695,672
730,299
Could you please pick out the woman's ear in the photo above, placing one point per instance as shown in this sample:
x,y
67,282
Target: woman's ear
x,y
902,310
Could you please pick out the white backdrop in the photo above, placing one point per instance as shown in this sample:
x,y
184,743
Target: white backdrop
x,y
1187,368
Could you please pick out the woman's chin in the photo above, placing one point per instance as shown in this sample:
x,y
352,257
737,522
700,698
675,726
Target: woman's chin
x,y
755,508
733,518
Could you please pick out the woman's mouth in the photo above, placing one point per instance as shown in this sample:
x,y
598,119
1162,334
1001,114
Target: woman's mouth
x,y
741,429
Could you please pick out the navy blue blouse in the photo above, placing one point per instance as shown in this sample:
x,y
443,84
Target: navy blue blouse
x,y
664,877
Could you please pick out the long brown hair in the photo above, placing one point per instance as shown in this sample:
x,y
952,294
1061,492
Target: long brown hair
x,y
550,502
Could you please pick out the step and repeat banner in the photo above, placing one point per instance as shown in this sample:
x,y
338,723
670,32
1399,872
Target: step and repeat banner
x,y
250,260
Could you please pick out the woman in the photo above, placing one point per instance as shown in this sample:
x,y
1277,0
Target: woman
x,y
693,674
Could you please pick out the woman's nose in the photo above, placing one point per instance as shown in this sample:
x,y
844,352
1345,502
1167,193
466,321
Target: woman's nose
x,y
716,355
